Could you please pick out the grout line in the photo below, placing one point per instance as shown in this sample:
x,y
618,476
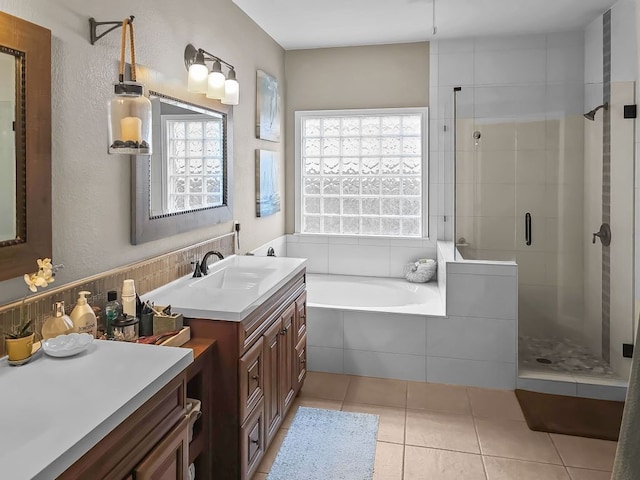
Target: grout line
x,y
556,449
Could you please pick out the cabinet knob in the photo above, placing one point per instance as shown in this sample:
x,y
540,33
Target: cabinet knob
x,y
255,442
256,377
283,331
303,361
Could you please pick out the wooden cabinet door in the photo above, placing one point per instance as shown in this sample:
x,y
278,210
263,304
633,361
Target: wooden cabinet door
x,y
252,442
301,317
287,380
271,354
300,362
169,460
251,372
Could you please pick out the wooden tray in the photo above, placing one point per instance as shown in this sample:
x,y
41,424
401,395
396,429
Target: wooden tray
x,y
179,339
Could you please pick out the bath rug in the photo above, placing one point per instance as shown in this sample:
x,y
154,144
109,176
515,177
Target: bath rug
x,y
327,444
582,417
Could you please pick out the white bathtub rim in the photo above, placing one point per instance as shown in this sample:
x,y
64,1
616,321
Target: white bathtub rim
x,y
434,308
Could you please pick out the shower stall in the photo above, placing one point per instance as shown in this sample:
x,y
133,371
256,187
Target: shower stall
x,y
539,182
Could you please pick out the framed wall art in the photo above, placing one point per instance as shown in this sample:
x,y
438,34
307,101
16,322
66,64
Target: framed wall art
x,y
267,107
267,187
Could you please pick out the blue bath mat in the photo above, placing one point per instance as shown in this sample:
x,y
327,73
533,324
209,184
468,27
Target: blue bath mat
x,y
327,444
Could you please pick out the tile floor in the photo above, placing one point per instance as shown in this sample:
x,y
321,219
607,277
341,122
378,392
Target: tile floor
x,y
445,432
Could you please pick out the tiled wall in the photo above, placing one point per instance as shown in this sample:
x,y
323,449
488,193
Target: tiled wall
x,y
148,275
371,257
610,53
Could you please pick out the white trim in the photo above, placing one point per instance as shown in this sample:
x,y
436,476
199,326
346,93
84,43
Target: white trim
x,y
300,115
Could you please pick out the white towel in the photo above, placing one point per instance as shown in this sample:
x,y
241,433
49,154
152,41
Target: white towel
x,y
627,463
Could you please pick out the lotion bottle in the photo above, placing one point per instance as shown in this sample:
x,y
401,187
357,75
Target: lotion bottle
x,y
83,316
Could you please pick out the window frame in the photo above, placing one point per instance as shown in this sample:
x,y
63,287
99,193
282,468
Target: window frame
x,y
300,115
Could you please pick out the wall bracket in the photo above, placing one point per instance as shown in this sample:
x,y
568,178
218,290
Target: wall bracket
x,y
93,28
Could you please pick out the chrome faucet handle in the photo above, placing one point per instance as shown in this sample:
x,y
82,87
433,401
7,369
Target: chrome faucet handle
x,y
196,271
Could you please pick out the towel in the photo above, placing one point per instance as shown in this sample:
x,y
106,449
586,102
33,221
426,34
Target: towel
x,y
627,463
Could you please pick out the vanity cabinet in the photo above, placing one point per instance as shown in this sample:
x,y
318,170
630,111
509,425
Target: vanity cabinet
x,y
259,367
152,443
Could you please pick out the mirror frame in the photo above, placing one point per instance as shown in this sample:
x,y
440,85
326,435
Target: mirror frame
x,y
32,45
144,227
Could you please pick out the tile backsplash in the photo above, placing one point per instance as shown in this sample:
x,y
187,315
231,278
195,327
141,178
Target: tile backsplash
x,y
147,274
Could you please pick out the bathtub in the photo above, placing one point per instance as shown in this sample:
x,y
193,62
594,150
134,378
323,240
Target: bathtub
x,y
373,294
369,326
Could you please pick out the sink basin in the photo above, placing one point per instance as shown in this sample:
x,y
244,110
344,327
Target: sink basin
x,y
233,278
233,288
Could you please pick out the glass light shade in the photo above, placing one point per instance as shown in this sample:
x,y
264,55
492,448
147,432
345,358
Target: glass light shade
x,y
231,90
129,120
197,82
216,85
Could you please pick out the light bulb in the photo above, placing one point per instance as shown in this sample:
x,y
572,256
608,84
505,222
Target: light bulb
x,y
197,82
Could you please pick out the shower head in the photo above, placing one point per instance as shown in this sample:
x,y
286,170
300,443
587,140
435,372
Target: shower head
x,y
591,115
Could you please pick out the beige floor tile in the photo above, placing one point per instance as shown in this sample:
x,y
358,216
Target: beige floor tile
x,y
510,469
311,403
588,453
513,439
272,452
582,474
438,397
431,464
377,391
388,461
487,403
329,386
391,423
441,430
259,476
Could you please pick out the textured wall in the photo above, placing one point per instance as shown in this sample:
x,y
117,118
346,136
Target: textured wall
x,y
374,76
91,199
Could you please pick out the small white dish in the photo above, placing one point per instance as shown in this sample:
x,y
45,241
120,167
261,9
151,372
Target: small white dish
x,y
67,345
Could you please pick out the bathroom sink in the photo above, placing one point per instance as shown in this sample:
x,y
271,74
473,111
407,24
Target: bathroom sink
x,y
233,288
233,278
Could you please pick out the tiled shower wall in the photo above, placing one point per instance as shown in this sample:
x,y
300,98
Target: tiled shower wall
x,y
148,275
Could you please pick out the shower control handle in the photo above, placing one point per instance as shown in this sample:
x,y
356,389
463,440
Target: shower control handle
x,y
604,234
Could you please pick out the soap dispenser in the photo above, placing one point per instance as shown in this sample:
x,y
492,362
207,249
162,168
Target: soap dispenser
x,y
58,324
83,316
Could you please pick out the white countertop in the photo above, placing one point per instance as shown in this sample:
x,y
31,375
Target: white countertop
x,y
249,281
54,410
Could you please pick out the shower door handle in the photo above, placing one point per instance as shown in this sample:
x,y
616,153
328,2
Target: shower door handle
x,y
527,229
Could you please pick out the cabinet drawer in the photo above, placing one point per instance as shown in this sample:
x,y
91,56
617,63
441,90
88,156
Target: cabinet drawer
x,y
252,441
251,374
300,362
301,317
169,459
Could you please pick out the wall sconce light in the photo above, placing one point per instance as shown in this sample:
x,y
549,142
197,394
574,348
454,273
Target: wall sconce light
x,y
212,83
129,110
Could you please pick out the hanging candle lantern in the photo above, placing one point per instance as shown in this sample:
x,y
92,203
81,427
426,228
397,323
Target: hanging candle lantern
x,y
129,109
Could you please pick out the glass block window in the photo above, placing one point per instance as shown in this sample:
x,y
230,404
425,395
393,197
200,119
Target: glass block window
x,y
195,163
361,172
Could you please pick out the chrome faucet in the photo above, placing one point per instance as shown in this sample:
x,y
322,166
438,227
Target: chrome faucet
x,y
271,252
204,267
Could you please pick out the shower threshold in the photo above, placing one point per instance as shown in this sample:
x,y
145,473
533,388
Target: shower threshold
x,y
563,366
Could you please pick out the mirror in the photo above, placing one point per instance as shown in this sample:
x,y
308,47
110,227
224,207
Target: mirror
x,y
25,145
10,96
184,184
187,173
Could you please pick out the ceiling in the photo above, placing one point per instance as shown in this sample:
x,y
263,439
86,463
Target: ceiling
x,y
297,24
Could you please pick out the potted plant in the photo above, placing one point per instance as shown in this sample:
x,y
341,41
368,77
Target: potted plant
x,y
19,341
